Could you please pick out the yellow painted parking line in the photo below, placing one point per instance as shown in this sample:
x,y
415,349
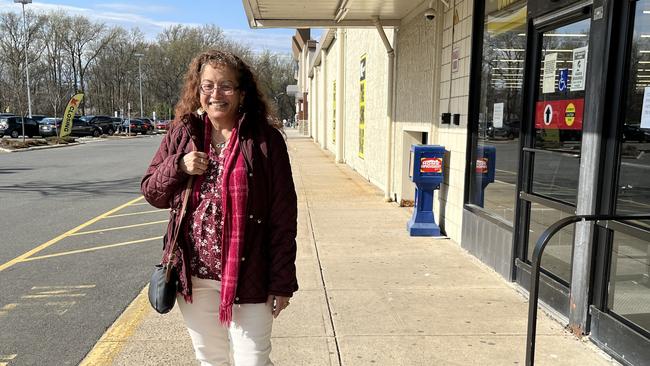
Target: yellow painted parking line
x,y
28,254
5,310
119,228
64,287
136,213
52,295
141,204
6,358
112,342
107,246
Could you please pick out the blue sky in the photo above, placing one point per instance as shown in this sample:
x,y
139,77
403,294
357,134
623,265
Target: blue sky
x,y
154,15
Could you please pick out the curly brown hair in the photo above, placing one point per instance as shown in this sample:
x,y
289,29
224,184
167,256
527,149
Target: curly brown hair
x,y
255,104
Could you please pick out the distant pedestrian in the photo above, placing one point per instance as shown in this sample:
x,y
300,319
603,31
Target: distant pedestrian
x,y
237,249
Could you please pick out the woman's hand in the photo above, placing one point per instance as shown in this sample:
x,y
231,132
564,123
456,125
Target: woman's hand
x,y
278,303
194,163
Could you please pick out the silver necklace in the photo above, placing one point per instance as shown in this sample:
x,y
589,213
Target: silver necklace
x,y
219,145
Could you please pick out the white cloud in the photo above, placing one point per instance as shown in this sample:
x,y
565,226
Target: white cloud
x,y
261,39
148,8
128,16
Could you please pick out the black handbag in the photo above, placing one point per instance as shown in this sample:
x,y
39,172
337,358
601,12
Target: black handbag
x,y
162,292
164,280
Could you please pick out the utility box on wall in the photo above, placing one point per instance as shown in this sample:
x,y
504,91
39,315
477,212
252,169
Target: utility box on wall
x,y
426,172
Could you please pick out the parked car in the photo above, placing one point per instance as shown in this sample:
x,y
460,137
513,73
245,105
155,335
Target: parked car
x,y
148,123
103,122
117,123
508,130
162,125
38,117
137,126
50,126
635,133
12,126
83,128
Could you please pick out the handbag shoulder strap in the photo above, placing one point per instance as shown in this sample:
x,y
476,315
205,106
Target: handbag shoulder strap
x,y
186,197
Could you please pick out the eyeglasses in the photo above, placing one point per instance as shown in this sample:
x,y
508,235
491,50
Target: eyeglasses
x,y
225,88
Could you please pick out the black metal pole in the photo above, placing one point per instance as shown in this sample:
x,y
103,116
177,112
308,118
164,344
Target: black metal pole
x,y
533,296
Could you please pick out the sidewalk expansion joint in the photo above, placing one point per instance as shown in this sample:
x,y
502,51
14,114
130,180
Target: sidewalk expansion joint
x,y
320,267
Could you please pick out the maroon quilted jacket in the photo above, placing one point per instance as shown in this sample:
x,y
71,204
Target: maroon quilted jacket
x,y
268,262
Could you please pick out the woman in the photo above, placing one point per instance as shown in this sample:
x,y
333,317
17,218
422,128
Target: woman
x,y
236,248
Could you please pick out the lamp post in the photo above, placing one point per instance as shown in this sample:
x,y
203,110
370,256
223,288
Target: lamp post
x,y
29,97
140,56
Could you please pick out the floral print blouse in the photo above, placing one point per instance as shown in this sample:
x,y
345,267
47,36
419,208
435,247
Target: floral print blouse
x,y
207,221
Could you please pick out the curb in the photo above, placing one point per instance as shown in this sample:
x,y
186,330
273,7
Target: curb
x,y
112,342
39,147
44,147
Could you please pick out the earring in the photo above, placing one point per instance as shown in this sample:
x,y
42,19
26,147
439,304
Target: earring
x,y
200,111
241,108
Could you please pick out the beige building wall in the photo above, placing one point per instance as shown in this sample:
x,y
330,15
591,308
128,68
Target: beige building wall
x,y
425,88
373,164
416,103
454,92
331,63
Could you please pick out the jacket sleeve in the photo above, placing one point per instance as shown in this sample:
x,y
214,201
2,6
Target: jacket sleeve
x,y
164,175
283,219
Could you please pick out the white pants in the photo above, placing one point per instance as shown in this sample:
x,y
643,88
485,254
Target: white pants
x,y
249,331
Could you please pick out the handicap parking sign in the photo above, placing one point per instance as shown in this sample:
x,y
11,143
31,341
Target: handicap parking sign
x,y
564,78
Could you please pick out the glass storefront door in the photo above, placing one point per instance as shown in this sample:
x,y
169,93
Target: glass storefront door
x,y
584,146
552,150
628,295
554,131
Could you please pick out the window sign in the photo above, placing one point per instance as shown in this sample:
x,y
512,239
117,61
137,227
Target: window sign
x,y
497,115
562,83
549,73
645,111
579,69
362,106
455,59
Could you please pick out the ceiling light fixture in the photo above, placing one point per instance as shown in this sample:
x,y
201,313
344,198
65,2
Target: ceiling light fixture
x,y
342,11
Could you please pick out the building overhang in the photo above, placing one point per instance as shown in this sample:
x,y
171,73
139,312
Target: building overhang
x,y
329,13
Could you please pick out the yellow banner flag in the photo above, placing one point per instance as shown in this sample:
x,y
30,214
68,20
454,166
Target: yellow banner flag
x,y
70,110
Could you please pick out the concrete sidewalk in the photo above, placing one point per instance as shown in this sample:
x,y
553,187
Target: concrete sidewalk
x,y
369,294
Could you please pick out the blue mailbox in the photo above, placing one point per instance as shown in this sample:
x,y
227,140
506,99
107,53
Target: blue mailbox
x,y
485,170
426,173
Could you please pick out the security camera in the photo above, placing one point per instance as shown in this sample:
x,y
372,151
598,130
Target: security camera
x,y
429,14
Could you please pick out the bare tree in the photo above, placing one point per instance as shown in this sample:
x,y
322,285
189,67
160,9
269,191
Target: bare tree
x,y
113,77
57,72
12,54
274,73
72,53
84,43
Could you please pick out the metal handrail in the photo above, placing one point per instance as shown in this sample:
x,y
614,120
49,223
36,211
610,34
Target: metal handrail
x,y
533,296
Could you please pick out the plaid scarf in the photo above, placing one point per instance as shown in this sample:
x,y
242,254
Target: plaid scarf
x,y
234,196
234,188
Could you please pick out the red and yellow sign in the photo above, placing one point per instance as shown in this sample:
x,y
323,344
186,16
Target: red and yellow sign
x,y
482,165
430,165
563,114
570,114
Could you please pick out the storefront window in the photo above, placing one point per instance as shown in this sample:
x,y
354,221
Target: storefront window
x,y
493,186
629,277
